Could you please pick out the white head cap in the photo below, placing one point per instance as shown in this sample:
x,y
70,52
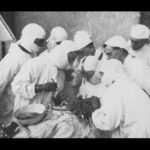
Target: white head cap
x,y
82,39
60,53
117,41
29,33
140,31
112,70
58,34
90,63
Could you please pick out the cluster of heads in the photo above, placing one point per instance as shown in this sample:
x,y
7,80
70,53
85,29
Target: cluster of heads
x,y
34,36
117,46
116,50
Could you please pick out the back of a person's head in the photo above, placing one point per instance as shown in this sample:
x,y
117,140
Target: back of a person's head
x,y
30,33
33,30
60,52
59,34
90,63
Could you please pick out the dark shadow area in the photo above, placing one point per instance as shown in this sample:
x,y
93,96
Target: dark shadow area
x,y
145,18
9,17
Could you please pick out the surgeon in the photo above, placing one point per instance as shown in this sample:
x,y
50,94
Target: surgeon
x,y
38,78
125,111
89,95
139,41
116,48
37,82
58,34
88,88
32,39
85,47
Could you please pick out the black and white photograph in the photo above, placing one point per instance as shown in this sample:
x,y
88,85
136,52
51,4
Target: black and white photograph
x,y
74,74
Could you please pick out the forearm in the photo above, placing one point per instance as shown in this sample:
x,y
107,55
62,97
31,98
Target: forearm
x,y
25,90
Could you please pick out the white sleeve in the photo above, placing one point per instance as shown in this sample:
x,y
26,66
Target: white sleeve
x,y
24,83
8,69
108,117
140,72
148,62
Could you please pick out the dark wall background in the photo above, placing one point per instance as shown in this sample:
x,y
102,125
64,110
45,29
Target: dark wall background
x,y
9,17
145,18
101,25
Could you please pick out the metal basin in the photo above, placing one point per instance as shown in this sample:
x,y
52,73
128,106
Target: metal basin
x,y
30,114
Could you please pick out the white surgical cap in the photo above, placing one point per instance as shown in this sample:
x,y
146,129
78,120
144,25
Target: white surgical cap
x,y
90,63
34,31
117,41
82,39
30,33
58,34
140,31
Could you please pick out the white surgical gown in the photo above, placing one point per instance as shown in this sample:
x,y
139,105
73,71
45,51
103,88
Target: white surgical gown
x,y
9,67
125,111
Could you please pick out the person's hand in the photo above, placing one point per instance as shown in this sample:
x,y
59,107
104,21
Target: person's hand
x,y
47,87
95,102
11,130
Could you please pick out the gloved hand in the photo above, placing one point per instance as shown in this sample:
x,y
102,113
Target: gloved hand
x,y
47,87
11,130
95,102
89,105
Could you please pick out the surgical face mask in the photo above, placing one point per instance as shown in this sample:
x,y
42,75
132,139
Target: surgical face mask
x,y
31,44
35,49
51,43
109,78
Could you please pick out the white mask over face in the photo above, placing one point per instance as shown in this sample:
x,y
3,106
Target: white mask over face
x,y
60,53
51,44
30,33
112,70
29,44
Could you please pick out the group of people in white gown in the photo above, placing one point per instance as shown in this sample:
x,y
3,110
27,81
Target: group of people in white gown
x,y
106,91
